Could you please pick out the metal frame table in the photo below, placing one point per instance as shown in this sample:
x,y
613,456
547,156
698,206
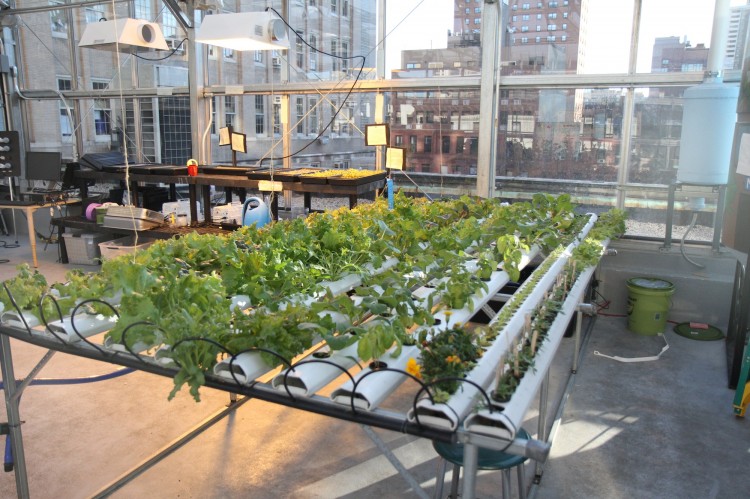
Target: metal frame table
x,y
29,211
205,181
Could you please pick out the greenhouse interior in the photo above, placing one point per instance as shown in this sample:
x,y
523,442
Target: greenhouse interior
x,y
365,248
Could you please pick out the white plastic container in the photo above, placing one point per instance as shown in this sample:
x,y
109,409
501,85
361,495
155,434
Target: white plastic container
x,y
83,248
123,246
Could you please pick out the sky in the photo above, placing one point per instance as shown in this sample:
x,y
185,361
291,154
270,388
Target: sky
x,y
425,23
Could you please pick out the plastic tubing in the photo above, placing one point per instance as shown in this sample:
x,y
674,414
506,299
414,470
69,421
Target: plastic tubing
x,y
78,381
8,460
682,241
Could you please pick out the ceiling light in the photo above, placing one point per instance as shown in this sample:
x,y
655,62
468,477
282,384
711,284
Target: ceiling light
x,y
123,34
244,31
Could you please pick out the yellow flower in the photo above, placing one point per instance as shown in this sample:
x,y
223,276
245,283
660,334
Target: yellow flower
x,y
453,359
413,368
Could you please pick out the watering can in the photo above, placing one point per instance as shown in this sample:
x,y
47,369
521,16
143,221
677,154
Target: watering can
x,y
255,211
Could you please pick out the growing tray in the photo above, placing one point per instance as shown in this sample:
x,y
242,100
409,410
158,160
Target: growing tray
x,y
226,170
359,180
260,174
292,174
282,175
307,179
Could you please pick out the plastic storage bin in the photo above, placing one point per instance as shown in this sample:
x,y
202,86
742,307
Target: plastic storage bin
x,y
123,246
83,248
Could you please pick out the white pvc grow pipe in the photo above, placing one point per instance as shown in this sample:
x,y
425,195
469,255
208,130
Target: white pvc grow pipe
x,y
369,394
449,415
86,325
307,378
376,388
505,420
13,319
247,367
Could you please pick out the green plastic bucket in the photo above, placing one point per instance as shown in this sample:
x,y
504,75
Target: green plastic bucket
x,y
649,300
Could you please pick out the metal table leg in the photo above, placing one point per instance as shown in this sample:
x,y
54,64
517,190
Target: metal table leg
x,y
413,483
670,217
471,463
14,418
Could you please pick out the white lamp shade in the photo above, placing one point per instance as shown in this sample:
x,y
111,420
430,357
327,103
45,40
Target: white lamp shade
x,y
244,31
123,34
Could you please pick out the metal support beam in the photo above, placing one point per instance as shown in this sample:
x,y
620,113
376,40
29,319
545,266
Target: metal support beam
x,y
413,483
542,422
471,462
196,83
169,448
30,377
381,37
185,21
487,136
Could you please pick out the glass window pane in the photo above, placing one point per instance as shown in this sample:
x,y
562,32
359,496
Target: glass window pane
x,y
647,214
341,29
423,119
673,38
423,32
560,133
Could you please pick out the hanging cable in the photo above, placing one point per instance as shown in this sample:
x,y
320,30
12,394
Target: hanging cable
x,y
346,97
166,56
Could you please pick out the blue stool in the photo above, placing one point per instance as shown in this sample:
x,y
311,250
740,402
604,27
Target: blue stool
x,y
488,459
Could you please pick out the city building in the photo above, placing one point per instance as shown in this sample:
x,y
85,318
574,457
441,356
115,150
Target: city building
x,y
737,36
325,43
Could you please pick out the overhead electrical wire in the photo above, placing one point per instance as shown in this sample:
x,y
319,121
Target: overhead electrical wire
x,y
346,97
166,56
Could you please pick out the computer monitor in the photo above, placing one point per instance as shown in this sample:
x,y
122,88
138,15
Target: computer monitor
x,y
43,166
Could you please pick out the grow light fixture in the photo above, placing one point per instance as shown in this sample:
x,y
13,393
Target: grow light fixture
x,y
123,34
244,31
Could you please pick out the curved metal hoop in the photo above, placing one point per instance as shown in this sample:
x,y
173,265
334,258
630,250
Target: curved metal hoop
x,y
313,361
18,309
443,380
73,315
197,338
43,318
127,329
254,349
385,369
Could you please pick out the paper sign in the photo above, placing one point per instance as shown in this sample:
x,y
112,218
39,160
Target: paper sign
x,y
239,144
377,135
269,185
224,136
394,158
743,159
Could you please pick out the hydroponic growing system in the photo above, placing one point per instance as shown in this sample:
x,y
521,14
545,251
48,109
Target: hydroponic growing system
x,y
350,301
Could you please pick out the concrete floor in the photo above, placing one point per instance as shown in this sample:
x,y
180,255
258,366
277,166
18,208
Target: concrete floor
x,y
655,429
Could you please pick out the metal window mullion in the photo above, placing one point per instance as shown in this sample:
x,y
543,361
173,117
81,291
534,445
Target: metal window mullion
x,y
623,173
487,134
